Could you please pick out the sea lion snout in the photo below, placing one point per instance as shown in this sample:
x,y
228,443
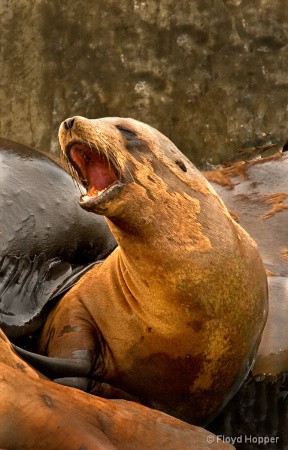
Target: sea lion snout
x,y
92,152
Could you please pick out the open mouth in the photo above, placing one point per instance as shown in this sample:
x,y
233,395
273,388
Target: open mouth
x,y
97,173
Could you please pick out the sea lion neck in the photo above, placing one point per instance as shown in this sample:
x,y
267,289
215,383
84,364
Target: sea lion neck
x,y
149,222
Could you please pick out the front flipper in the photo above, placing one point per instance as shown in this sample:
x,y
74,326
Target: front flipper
x,y
107,391
76,382
56,367
26,287
97,388
73,373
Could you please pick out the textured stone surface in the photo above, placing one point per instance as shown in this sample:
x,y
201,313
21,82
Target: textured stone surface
x,y
210,74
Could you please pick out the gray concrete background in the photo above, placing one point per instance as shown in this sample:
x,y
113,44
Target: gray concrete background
x,y
210,74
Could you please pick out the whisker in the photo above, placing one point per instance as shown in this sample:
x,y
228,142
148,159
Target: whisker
x,y
76,178
104,151
71,171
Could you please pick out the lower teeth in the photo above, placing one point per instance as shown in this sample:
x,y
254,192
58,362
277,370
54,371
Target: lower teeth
x,y
93,193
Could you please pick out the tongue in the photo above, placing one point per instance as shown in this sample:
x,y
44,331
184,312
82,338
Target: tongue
x,y
94,167
100,176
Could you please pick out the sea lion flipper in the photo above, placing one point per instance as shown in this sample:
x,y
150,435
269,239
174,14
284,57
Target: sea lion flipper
x,y
97,388
27,285
106,390
55,368
80,383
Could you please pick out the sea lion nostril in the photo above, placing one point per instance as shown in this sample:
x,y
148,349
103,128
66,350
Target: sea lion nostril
x,y
69,123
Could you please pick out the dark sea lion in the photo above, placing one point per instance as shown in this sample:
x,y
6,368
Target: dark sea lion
x,y
175,314
40,221
39,210
264,144
256,418
256,193
37,414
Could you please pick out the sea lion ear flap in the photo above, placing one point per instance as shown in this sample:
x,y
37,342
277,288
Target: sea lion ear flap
x,y
181,164
27,286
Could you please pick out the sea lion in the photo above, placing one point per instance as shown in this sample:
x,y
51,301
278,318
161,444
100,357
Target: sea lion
x,y
40,221
256,417
38,414
256,194
175,314
264,144
40,214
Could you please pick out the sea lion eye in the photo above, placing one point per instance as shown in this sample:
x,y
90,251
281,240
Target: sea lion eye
x,y
127,133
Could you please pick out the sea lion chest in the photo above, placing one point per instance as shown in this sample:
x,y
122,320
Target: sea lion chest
x,y
132,312
156,336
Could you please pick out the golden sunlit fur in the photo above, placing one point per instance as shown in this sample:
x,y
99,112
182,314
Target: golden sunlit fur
x,y
175,314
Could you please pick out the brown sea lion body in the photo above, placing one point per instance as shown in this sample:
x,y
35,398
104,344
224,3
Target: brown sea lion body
x,y
174,315
256,193
37,414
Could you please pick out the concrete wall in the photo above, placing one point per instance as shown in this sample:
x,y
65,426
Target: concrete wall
x,y
210,74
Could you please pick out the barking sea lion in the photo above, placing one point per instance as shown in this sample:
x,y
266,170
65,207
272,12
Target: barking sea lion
x,y
175,314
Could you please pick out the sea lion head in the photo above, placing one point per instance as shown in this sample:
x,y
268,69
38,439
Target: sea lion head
x,y
110,154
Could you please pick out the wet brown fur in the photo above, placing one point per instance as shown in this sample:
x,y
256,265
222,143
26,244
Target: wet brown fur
x,y
37,414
